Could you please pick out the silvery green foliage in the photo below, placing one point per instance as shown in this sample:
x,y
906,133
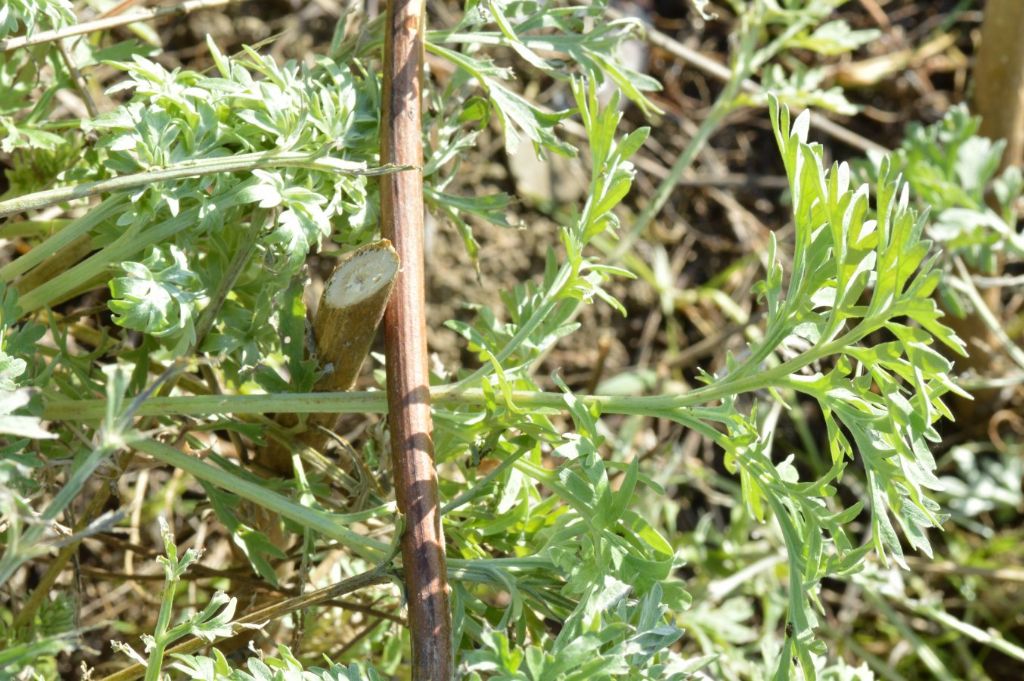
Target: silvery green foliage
x,y
191,230
851,326
30,79
801,87
34,16
594,562
800,25
253,105
16,421
283,665
851,278
982,485
561,42
11,368
953,172
583,39
24,72
576,551
158,296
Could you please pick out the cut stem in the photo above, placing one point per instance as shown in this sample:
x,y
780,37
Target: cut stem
x,y
346,322
350,309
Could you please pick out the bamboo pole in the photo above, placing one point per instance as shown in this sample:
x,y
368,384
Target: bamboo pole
x,y
412,453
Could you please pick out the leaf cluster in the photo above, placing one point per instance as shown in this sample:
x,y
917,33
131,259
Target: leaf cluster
x,y
541,510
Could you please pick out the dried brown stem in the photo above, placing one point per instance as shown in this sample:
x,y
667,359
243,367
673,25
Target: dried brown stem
x,y
406,346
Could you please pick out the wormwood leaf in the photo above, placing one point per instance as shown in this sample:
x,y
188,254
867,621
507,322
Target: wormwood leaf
x,y
571,39
34,15
834,38
880,402
19,425
159,296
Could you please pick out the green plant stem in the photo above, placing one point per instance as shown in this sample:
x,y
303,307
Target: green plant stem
x,y
123,248
682,408
77,228
991,638
163,621
664,406
192,168
33,228
333,526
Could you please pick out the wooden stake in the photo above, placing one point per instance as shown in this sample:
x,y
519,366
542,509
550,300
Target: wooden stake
x,y
423,558
999,77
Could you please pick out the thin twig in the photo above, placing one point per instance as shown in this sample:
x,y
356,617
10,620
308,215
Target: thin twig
x,y
972,383
372,577
426,575
965,285
997,282
723,73
77,79
108,22
238,575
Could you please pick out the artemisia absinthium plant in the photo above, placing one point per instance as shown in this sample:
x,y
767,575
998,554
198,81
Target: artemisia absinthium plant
x,y
268,161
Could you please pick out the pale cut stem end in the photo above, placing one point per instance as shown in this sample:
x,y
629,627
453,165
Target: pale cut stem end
x,y
350,310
